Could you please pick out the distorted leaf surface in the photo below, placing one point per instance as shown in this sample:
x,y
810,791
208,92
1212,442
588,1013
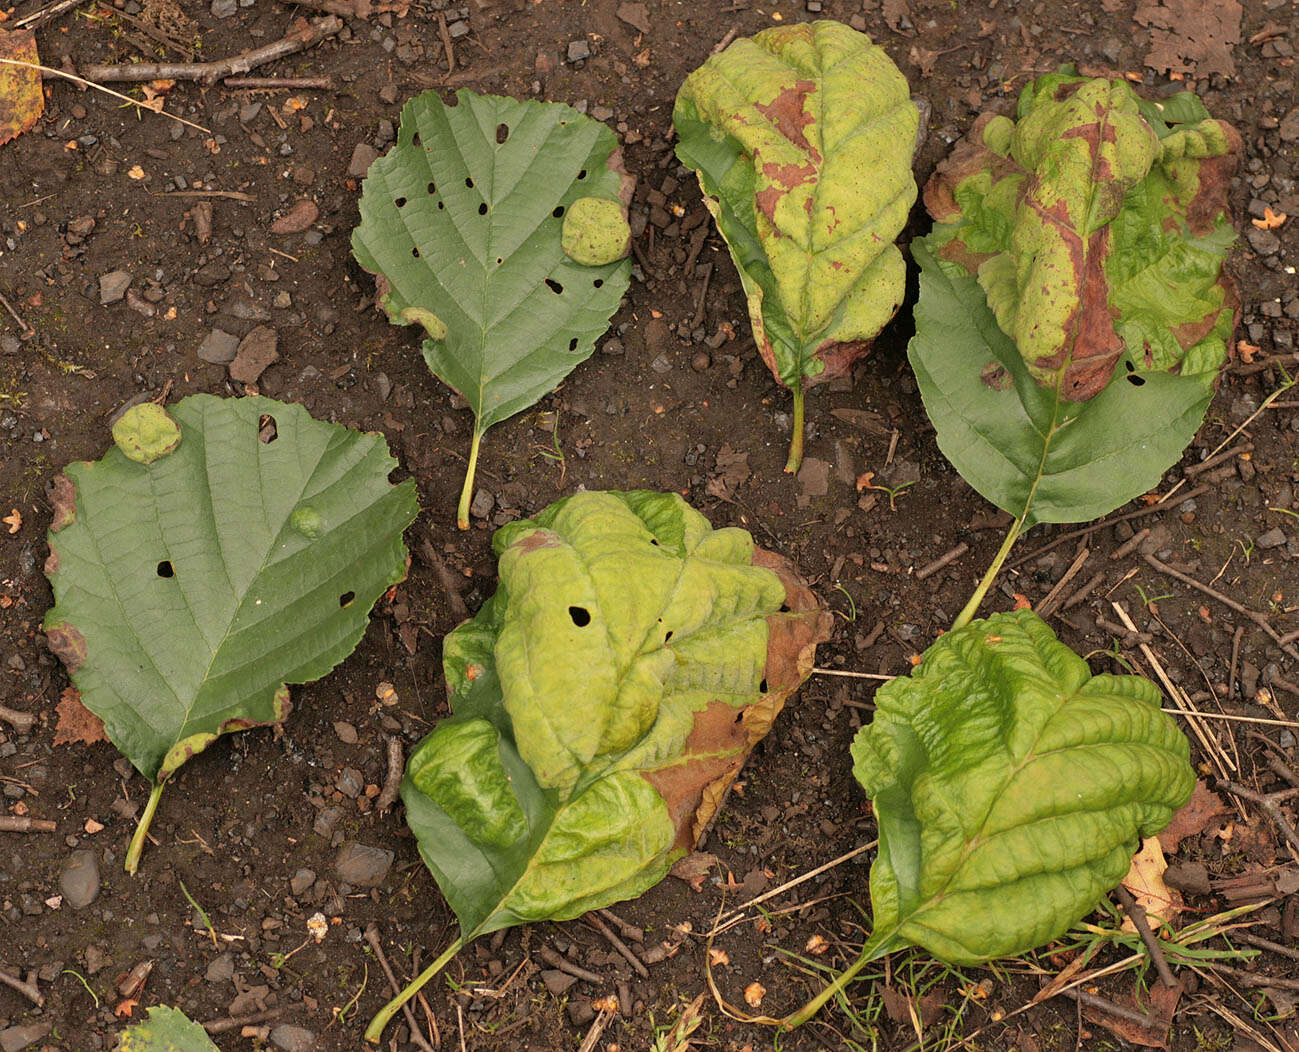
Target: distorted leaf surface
x,y
21,99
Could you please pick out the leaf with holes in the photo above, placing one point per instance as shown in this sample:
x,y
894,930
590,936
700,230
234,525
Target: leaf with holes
x,y
192,586
802,140
1074,311
464,222
603,702
166,1030
1010,787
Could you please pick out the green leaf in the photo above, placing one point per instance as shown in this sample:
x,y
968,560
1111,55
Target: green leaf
x,y
1024,447
166,1030
462,220
802,138
603,701
1010,787
1097,237
190,591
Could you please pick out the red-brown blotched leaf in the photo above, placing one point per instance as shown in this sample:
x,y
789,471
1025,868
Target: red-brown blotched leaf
x,y
76,723
21,98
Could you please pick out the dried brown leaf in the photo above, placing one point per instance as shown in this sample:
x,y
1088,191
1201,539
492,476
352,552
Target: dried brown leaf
x,y
76,723
1191,36
21,98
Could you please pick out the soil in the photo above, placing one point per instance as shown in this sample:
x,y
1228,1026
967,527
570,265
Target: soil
x,y
674,399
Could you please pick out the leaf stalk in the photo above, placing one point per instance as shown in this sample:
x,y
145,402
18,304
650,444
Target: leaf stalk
x,y
467,491
374,1031
972,607
136,849
795,460
872,951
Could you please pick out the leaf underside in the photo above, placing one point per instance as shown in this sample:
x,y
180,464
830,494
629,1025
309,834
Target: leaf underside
x,y
166,1030
190,591
802,138
603,700
1010,787
1074,311
462,218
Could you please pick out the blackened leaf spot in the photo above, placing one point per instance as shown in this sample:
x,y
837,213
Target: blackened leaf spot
x,y
346,599
502,133
165,569
400,202
558,213
581,616
482,209
554,286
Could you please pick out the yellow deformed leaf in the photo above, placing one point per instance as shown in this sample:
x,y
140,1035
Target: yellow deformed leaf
x,y
1146,882
21,98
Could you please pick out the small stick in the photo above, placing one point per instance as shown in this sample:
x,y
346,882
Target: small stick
x,y
697,240
15,315
22,721
38,18
1235,660
637,964
949,556
372,939
707,275
893,446
49,71
1214,461
1254,979
278,83
392,783
1290,637
563,964
1108,1007
445,34
23,824
1263,366
1212,593
608,1009
1266,944
233,195
1047,606
298,39
223,1026
1137,915
1269,804
852,675
725,42
28,990
1130,545
628,931
1083,592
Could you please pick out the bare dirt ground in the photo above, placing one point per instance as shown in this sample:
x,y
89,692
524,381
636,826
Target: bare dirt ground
x,y
674,399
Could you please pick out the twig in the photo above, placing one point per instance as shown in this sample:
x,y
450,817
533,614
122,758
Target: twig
x,y
278,83
15,315
24,824
1270,805
22,721
50,71
1108,1007
1235,660
637,964
1267,363
445,34
1083,592
233,195
735,911
1130,545
392,783
626,930
1137,914
725,42
351,8
563,964
949,556
851,675
1047,606
303,36
372,939
28,990
1212,593
1253,978
1214,461
706,272
608,1009
38,18
1266,944
235,1022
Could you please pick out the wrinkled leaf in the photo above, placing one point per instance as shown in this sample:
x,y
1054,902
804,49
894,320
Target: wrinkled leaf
x,y
462,220
166,1030
21,99
1024,447
1010,787
802,138
603,702
1096,237
189,592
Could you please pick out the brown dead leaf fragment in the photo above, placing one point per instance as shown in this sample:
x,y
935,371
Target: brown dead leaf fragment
x,y
1191,36
21,98
76,723
730,472
296,219
1158,1006
694,868
1146,882
1194,817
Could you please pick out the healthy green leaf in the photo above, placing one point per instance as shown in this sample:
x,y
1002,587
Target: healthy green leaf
x,y
191,590
603,702
1081,244
802,139
462,220
166,1030
1010,786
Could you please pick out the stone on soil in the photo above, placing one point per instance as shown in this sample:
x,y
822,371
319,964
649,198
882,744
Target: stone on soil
x,y
362,865
293,1038
218,347
221,969
16,1038
79,880
256,352
296,219
363,156
112,286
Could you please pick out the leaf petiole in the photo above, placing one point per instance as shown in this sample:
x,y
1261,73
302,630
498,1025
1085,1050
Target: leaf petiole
x,y
874,949
136,849
795,460
972,607
467,492
375,1030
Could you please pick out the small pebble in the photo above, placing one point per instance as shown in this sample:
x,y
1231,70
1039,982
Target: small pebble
x,y
700,361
